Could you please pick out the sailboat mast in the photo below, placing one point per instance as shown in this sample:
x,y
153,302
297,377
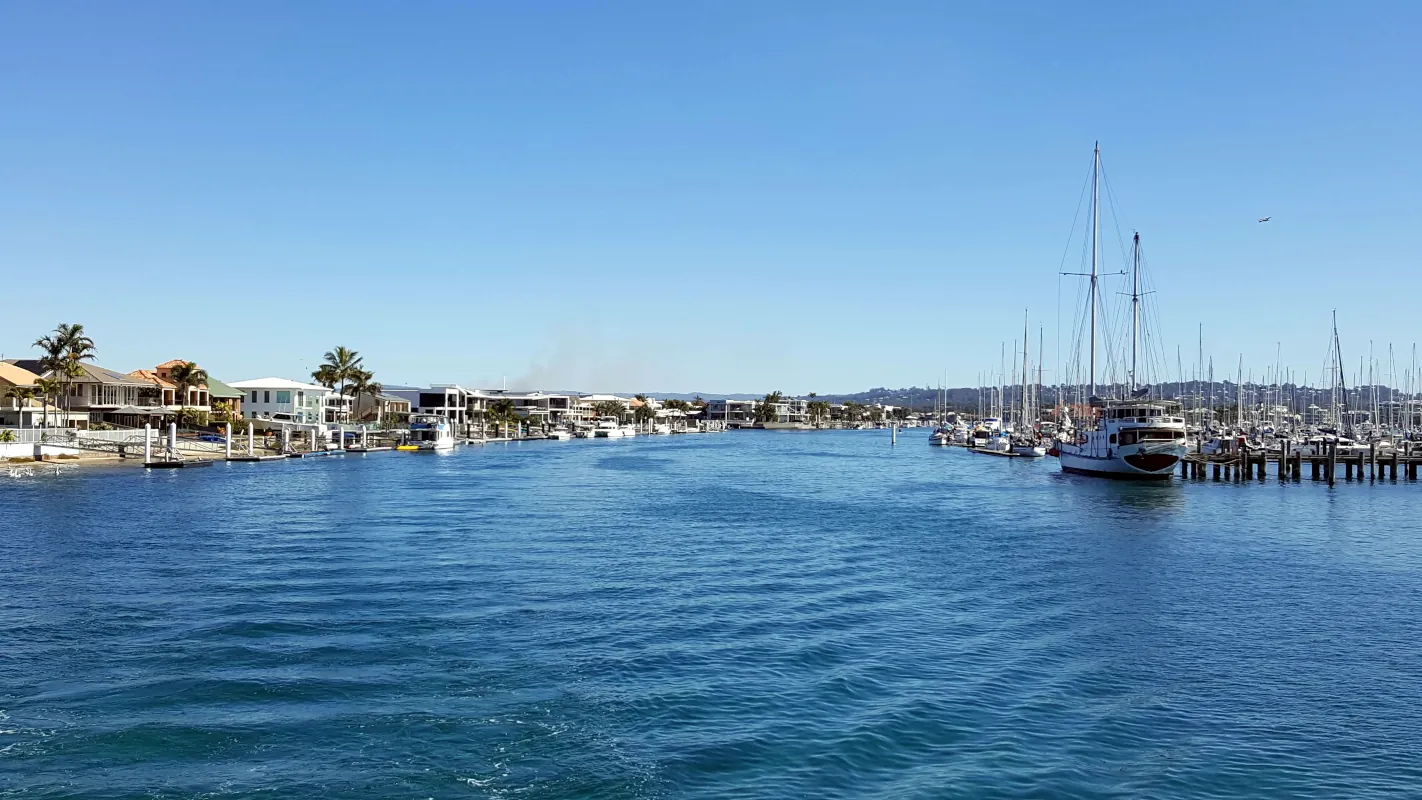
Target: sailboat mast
x,y
1095,226
1135,306
1025,369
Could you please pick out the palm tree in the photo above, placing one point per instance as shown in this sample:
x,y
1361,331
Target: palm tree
x,y
325,376
818,409
610,408
344,363
503,413
363,384
643,413
186,376
852,411
24,394
766,411
48,389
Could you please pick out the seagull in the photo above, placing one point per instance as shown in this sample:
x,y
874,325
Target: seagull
x,y
1265,219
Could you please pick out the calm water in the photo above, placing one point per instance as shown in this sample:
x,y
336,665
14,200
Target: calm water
x,y
740,615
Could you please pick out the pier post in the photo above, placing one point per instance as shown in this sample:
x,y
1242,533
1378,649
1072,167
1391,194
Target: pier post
x,y
172,440
363,439
147,442
1283,460
1332,468
1373,461
1184,468
894,436
285,439
1263,464
1394,463
1217,472
251,439
227,438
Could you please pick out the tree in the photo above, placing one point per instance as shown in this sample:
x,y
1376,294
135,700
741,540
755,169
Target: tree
x,y
817,409
185,376
48,388
325,376
766,410
852,411
677,405
644,412
24,395
344,363
610,408
503,413
698,402
64,350
363,383
901,413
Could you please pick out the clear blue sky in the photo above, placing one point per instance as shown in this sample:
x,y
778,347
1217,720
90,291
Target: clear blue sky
x,y
719,196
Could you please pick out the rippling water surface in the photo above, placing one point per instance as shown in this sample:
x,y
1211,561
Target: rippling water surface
x,y
741,615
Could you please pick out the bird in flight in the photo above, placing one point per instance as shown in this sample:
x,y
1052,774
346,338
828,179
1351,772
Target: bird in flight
x,y
1265,219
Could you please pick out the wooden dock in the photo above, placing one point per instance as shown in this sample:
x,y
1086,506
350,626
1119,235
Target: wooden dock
x,y
1258,464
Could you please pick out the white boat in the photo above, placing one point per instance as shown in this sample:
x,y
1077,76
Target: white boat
x,y
1027,450
661,429
560,435
628,431
941,437
608,429
1134,438
429,432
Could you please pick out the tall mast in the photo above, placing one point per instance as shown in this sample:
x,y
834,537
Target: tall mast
x,y
1135,306
1025,352
1095,225
1342,376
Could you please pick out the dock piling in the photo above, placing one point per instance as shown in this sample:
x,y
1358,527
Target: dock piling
x,y
147,442
227,438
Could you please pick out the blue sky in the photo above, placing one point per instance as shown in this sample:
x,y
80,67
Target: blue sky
x,y
725,197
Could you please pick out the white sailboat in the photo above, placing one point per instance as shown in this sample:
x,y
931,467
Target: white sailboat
x,y
1135,438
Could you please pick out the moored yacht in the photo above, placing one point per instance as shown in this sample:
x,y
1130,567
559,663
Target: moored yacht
x,y
608,429
1132,439
429,432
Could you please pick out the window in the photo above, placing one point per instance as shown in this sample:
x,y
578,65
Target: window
x,y
283,397
1113,438
266,397
254,395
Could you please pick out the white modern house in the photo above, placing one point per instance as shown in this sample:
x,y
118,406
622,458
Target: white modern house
x,y
282,400
451,401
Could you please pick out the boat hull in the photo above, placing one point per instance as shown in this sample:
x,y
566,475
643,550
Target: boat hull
x,y
1155,466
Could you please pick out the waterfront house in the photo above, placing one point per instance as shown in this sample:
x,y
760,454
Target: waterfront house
x,y
382,408
225,399
283,400
542,408
732,413
99,395
451,401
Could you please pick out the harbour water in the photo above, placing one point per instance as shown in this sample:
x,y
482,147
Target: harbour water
x,y
741,615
